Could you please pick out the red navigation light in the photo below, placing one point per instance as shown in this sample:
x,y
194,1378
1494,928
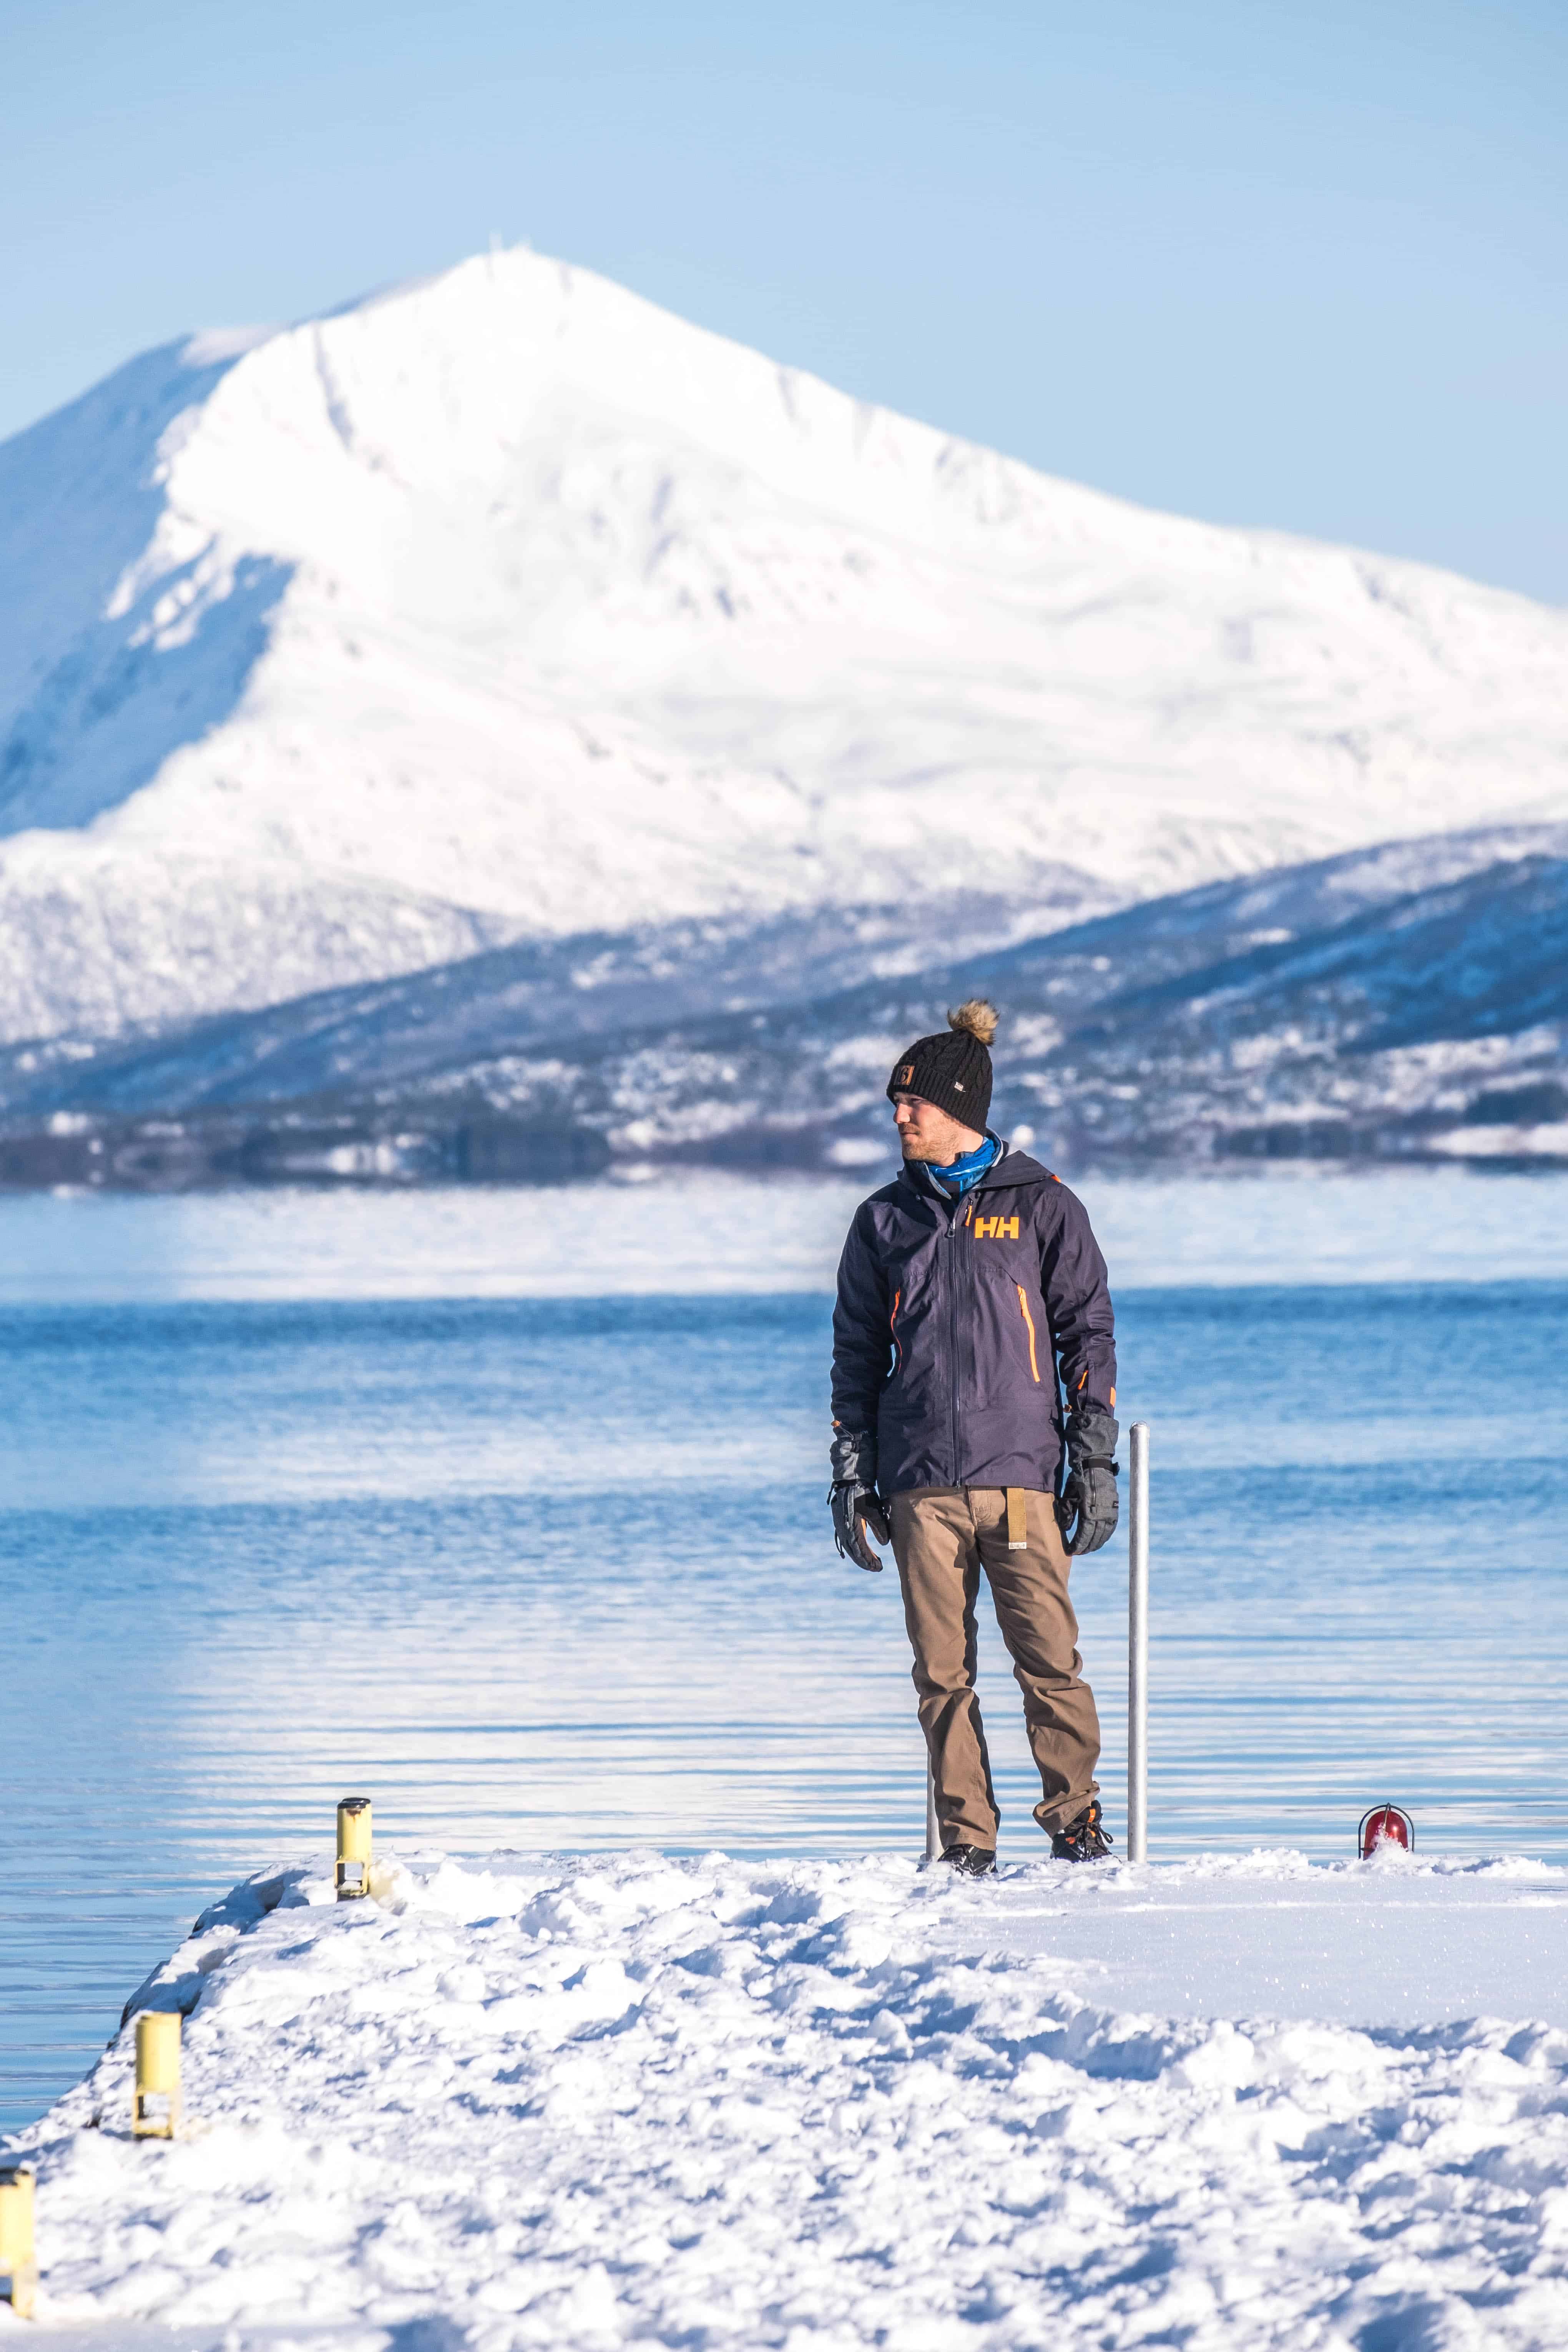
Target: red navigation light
x,y
1385,1825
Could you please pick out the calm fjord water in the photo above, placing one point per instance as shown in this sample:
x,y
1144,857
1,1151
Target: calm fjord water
x,y
554,1571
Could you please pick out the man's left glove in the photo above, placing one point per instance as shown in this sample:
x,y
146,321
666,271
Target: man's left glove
x,y
1089,1509
856,1513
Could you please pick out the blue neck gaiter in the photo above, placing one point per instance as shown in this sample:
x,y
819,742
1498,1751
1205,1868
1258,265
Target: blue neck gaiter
x,y
960,1174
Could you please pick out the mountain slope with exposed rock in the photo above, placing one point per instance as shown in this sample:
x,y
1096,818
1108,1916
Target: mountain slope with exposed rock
x,y
1410,1002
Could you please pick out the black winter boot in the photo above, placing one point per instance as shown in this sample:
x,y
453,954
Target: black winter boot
x,y
973,1861
1085,1839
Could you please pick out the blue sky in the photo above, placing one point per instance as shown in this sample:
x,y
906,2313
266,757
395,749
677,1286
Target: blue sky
x,y
1292,265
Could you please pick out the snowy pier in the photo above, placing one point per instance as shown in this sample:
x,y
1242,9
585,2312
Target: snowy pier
x,y
1226,2104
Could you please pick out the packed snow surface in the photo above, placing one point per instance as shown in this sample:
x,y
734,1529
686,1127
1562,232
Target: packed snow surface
x,y
505,602
639,2101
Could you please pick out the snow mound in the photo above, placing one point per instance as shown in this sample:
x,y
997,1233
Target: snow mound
x,y
508,591
585,2103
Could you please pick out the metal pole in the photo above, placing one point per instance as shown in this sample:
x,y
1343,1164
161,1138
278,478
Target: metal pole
x,y
1138,1647
933,1835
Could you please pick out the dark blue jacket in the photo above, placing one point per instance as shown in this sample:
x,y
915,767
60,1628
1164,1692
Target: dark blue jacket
x,y
951,1319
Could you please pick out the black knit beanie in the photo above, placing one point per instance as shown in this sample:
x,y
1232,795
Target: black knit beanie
x,y
952,1069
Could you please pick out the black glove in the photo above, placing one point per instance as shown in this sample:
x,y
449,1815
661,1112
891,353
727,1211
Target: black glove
x,y
856,1514
1089,1509
853,1494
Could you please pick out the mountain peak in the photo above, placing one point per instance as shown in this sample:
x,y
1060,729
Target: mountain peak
x,y
504,599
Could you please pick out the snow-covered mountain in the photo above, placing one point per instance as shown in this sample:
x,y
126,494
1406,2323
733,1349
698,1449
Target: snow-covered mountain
x,y
505,605
1405,1002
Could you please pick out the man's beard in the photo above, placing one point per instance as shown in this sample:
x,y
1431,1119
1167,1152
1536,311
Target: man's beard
x,y
927,1154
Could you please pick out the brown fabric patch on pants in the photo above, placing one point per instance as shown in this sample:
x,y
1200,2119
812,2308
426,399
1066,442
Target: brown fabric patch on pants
x,y
943,1538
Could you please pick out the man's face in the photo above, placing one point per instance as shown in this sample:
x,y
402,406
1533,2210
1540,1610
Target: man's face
x,y
928,1134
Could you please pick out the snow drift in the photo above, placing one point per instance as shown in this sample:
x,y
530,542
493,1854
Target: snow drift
x,y
641,2101
505,604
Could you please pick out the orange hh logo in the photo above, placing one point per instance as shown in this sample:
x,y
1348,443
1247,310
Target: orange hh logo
x,y
996,1229
906,1074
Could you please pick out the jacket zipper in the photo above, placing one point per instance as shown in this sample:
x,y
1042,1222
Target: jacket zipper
x,y
1029,1321
953,1341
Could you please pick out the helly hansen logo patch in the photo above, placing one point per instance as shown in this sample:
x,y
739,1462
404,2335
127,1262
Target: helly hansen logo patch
x,y
906,1074
996,1229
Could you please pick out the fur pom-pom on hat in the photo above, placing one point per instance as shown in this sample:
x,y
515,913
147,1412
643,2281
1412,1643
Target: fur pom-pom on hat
x,y
977,1016
952,1069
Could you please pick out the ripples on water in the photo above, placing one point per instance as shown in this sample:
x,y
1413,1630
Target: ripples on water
x,y
556,1572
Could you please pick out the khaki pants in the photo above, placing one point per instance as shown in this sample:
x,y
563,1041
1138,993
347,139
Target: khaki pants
x,y
943,1538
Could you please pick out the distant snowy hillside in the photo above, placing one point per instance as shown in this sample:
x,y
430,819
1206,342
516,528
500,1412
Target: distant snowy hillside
x,y
505,605
1408,1002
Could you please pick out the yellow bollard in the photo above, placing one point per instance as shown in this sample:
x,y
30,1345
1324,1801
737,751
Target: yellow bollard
x,y
18,2264
354,1848
155,2109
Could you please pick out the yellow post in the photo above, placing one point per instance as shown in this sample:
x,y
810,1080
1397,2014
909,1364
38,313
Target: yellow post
x,y
155,2109
354,1848
18,2264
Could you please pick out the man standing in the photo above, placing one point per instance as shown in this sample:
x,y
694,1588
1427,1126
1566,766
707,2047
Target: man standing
x,y
963,1286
